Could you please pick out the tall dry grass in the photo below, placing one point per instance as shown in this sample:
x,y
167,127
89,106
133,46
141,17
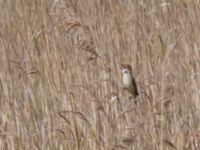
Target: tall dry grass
x,y
60,81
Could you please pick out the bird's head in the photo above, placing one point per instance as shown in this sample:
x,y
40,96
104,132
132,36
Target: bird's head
x,y
126,69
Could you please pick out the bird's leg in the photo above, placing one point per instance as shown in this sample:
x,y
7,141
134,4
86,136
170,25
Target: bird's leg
x,y
124,89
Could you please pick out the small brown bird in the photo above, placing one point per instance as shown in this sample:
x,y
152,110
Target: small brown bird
x,y
128,80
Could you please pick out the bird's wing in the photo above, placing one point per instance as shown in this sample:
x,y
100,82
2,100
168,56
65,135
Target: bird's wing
x,y
135,87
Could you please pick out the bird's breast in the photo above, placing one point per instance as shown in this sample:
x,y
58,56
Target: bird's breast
x,y
127,80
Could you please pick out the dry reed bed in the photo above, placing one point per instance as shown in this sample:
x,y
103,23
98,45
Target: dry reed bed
x,y
60,68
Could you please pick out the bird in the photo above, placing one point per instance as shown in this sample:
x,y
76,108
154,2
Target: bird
x,y
128,80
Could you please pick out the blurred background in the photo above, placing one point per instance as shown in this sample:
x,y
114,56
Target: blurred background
x,y
60,79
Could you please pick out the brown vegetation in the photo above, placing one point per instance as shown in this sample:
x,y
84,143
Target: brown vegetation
x,y
60,80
